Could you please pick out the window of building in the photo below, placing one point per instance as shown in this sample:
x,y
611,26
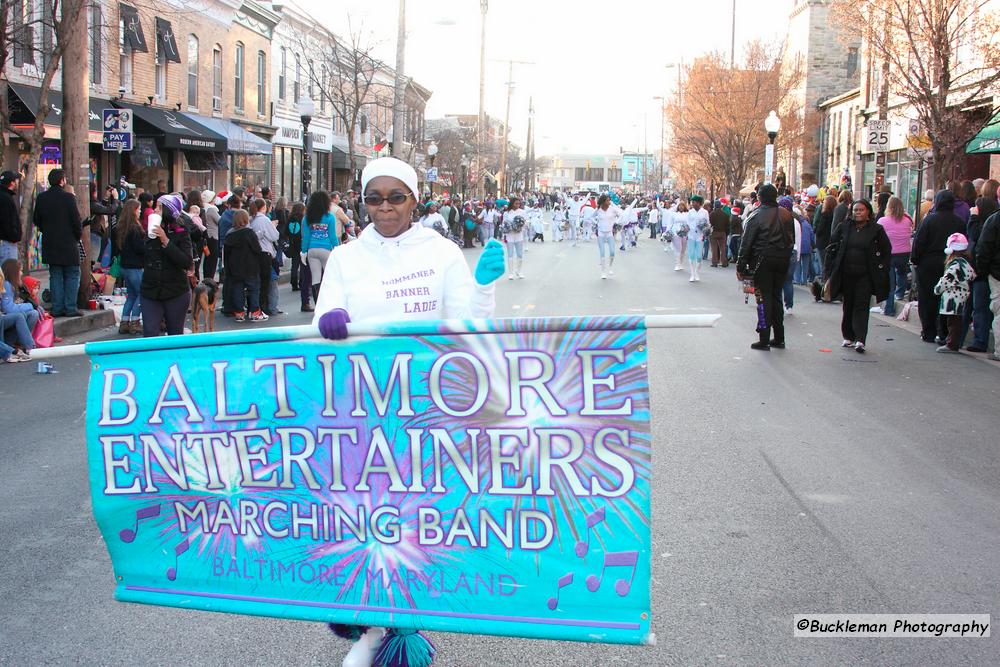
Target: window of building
x,y
614,174
298,79
125,59
24,32
238,77
217,78
47,33
94,13
192,71
261,82
282,72
852,61
161,70
322,88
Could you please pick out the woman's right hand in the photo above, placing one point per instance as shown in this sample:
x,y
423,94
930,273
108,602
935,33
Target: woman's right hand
x,y
161,234
333,325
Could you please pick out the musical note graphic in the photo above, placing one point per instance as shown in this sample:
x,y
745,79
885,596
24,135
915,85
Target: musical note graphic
x,y
178,550
619,559
563,582
128,534
592,520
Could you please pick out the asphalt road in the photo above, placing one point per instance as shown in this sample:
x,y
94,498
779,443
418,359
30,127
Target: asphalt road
x,y
785,482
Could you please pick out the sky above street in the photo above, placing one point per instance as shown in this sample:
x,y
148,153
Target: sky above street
x,y
596,64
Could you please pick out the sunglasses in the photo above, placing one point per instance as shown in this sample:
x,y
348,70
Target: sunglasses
x,y
395,198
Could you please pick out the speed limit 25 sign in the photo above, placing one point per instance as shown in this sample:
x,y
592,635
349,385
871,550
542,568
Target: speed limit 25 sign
x,y
877,135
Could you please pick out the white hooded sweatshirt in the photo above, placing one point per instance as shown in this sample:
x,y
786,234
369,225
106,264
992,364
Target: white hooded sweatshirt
x,y
418,275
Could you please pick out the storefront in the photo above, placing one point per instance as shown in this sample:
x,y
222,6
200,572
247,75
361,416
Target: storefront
x,y
171,147
23,103
343,179
287,164
248,158
322,145
987,143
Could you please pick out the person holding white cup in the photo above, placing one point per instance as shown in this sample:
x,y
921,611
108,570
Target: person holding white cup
x,y
166,291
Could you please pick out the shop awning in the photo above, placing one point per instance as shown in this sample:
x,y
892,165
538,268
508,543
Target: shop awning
x,y
24,107
174,129
988,139
238,139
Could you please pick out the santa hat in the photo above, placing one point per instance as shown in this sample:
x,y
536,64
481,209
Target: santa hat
x,y
221,197
956,243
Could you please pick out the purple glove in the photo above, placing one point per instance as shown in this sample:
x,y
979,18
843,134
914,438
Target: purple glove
x,y
333,325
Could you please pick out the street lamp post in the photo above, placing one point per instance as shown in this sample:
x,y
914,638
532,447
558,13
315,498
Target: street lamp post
x,y
663,113
772,124
465,171
306,110
432,150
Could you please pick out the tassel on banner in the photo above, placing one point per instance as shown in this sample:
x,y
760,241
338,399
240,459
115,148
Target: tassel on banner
x,y
344,631
404,648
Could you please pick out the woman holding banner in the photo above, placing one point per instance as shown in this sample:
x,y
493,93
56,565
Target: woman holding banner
x,y
392,261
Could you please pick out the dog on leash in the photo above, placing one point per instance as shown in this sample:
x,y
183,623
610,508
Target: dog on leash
x,y
204,305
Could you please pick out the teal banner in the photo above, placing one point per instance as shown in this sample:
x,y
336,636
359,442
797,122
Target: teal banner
x,y
487,477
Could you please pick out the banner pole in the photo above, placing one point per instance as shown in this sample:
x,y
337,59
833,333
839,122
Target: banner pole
x,y
415,328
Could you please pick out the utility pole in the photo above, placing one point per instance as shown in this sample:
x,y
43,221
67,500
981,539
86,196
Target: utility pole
x,y
481,129
502,186
399,88
529,154
506,131
75,121
732,41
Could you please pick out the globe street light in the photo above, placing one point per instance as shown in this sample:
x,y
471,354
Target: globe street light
x,y
772,124
432,150
306,110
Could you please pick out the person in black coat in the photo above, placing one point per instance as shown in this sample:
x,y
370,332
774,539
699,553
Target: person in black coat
x,y
842,211
977,309
858,269
988,263
58,218
242,255
927,256
765,254
166,290
10,217
823,227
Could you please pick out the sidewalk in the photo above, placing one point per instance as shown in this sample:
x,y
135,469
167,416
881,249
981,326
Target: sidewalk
x,y
911,325
95,320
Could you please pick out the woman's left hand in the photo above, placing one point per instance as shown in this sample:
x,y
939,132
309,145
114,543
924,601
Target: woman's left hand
x,y
491,263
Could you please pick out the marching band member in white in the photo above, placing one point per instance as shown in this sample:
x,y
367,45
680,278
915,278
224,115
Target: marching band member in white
x,y
699,228
558,218
574,208
372,280
606,217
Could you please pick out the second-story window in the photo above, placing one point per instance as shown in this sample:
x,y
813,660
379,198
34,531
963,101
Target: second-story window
x,y
95,43
282,72
217,78
261,82
192,71
322,88
312,75
852,62
238,97
298,79
125,59
161,70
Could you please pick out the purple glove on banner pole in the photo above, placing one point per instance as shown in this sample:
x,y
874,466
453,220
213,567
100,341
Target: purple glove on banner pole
x,y
333,325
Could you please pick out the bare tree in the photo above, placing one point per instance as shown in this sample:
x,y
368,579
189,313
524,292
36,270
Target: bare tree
x,y
941,58
347,74
718,118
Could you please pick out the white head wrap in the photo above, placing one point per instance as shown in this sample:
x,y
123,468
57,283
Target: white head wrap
x,y
389,166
